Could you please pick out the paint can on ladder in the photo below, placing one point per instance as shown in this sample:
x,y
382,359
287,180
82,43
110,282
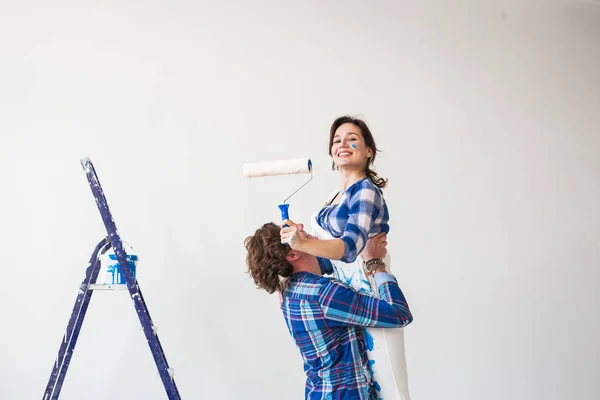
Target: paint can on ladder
x,y
110,269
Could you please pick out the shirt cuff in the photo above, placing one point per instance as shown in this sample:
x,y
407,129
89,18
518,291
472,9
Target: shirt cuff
x,y
383,277
350,252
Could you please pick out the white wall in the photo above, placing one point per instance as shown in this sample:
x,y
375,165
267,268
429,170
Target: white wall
x,y
489,117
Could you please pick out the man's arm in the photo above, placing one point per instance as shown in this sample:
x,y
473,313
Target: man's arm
x,y
345,306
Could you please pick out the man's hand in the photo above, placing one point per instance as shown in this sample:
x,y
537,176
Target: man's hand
x,y
376,247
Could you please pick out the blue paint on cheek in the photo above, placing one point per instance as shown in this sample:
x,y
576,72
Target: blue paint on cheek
x,y
353,145
369,340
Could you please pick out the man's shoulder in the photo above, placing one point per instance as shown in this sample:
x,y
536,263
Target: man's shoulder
x,y
329,286
304,285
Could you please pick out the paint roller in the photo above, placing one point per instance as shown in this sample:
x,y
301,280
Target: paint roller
x,y
280,167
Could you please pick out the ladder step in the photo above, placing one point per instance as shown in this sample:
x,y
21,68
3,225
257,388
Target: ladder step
x,y
106,286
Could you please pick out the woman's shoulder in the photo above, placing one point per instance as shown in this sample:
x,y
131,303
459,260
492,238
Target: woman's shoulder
x,y
365,191
364,184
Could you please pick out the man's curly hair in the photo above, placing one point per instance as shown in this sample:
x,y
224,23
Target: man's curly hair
x,y
266,258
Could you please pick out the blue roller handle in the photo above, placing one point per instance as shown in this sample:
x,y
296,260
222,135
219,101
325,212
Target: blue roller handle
x,y
284,212
324,264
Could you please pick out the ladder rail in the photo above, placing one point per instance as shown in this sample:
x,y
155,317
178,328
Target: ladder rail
x,y
158,354
69,341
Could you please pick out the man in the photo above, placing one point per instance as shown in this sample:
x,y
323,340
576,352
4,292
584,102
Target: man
x,y
324,316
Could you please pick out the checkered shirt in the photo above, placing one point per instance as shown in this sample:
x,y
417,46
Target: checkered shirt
x,y
361,213
326,318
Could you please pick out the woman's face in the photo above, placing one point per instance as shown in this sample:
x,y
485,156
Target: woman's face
x,y
349,149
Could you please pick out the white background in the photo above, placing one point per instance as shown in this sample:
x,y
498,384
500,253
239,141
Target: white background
x,y
488,115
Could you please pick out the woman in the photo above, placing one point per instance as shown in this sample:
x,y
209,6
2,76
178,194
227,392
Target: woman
x,y
351,215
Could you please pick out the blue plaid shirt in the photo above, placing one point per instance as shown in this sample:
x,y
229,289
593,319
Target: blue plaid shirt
x,y
361,213
326,319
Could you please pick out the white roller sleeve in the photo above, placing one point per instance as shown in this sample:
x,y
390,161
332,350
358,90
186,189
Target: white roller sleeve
x,y
280,167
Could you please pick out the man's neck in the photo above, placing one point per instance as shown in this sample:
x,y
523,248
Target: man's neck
x,y
312,267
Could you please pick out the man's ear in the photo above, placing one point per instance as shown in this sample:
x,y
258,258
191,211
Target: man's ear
x,y
292,256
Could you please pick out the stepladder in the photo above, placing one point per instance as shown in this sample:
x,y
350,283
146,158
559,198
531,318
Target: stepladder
x,y
89,285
